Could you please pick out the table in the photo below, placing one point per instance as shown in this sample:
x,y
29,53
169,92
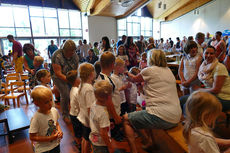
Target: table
x,y
173,64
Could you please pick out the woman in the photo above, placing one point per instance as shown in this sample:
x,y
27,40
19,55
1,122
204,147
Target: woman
x,y
151,44
64,60
215,78
162,104
105,45
132,51
29,55
220,47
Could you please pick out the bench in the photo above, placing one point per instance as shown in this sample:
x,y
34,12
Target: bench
x,y
15,120
177,135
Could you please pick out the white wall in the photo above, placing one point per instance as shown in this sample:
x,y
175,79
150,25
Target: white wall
x,y
100,26
213,16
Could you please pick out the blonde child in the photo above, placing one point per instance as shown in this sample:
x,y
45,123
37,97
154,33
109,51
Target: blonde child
x,y
99,118
143,62
38,65
189,67
44,78
72,78
44,127
86,99
202,109
120,80
121,53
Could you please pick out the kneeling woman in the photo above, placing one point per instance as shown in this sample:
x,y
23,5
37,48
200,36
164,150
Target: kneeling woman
x,y
162,103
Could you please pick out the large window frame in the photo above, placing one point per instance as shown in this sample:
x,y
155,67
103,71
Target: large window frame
x,y
75,32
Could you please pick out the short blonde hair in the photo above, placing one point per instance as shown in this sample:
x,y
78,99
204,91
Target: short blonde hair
x,y
107,59
157,58
39,59
199,107
41,93
119,62
69,45
102,89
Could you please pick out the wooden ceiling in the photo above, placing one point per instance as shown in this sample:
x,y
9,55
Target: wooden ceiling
x,y
174,8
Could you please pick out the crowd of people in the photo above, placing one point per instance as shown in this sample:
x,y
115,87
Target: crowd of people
x,y
103,84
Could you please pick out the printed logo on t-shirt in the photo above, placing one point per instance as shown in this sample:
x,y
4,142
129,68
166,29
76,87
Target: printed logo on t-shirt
x,y
52,128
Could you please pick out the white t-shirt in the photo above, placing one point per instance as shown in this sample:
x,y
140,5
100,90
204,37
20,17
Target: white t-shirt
x,y
74,104
161,93
120,82
201,141
86,99
116,94
44,125
84,50
133,93
200,50
99,118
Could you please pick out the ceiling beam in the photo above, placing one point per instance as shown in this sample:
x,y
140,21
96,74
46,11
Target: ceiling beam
x,y
187,8
100,7
141,3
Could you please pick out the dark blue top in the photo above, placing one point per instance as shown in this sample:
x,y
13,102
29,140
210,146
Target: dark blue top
x,y
52,49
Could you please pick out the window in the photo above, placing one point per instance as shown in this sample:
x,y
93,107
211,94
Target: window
x,y
8,45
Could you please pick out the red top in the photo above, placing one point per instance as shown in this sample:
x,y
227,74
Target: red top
x,y
17,47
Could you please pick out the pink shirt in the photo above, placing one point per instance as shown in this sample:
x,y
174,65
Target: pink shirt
x,y
17,47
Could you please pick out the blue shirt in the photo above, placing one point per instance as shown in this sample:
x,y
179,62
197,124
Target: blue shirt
x,y
52,49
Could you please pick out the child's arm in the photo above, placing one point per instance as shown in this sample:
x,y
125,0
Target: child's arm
x,y
105,137
111,110
128,85
135,78
181,69
223,142
36,137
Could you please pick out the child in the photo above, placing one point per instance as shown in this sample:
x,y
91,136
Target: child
x,y
71,77
132,92
95,48
91,58
86,99
189,67
44,127
202,109
38,61
99,118
143,62
119,79
44,78
121,53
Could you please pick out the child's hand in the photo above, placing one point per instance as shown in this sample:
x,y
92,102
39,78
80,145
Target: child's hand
x,y
185,84
60,134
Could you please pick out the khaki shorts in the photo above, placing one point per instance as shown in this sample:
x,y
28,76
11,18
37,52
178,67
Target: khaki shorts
x,y
19,64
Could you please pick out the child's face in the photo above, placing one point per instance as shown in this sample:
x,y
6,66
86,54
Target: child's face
x,y
36,63
121,51
45,104
144,58
193,52
46,79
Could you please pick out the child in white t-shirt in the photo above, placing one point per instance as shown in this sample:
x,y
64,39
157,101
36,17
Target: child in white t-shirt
x,y
121,53
202,109
44,127
72,78
99,118
86,99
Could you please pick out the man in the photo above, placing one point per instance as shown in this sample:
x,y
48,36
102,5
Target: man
x,y
141,44
122,41
200,37
171,42
51,48
84,49
17,54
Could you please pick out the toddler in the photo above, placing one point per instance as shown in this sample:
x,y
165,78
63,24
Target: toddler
x,y
44,127
121,53
143,62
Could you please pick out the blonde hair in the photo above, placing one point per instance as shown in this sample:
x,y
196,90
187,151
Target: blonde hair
x,y
39,59
71,76
85,70
69,45
41,93
107,59
200,106
41,73
102,89
119,62
157,58
151,40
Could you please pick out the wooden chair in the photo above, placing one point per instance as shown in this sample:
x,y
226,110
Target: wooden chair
x,y
9,78
14,95
24,78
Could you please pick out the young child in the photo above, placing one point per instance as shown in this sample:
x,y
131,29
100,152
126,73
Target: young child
x,y
120,80
132,92
202,109
44,78
38,64
99,118
86,99
44,127
143,62
189,67
121,53
72,78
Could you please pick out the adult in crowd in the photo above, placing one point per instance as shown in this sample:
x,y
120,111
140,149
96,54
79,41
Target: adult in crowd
x,y
190,38
64,60
132,52
51,48
220,46
122,41
199,40
162,104
95,48
208,39
151,44
29,54
167,45
215,78
92,58
84,49
17,54
183,42
161,44
171,42
141,44
105,45
178,46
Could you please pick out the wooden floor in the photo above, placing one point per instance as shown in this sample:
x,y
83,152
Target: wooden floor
x,y
22,143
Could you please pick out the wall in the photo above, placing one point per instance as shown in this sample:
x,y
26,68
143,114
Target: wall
x,y
100,26
213,16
